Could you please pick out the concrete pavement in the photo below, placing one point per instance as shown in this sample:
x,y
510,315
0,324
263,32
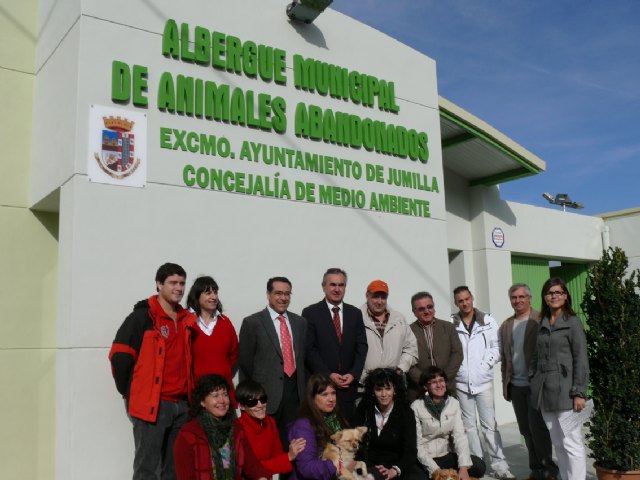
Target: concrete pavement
x,y
517,457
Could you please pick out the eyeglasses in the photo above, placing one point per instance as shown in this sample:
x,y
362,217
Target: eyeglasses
x,y
520,297
252,402
554,293
425,308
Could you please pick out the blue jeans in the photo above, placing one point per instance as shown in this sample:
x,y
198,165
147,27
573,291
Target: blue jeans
x,y
154,442
484,403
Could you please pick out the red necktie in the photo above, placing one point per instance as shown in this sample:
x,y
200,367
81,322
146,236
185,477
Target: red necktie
x,y
336,322
287,347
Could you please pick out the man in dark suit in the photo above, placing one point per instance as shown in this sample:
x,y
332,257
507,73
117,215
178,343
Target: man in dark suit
x,y
438,344
272,353
336,340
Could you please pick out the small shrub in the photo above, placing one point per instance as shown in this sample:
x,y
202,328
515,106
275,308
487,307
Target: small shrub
x,y
612,306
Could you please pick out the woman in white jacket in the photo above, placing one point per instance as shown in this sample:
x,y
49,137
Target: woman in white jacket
x,y
442,441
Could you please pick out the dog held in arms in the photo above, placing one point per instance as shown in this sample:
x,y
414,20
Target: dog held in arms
x,y
342,450
445,474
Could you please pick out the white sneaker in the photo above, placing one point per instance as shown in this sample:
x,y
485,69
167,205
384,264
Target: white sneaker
x,y
503,475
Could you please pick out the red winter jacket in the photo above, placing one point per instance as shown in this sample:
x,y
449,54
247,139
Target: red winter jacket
x,y
262,437
192,457
138,357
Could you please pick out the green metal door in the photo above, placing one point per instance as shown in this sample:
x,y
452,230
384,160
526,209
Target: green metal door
x,y
575,276
532,271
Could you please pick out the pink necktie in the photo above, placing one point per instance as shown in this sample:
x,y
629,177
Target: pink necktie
x,y
287,347
336,322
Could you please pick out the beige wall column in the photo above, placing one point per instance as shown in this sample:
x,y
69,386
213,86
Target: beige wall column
x,y
28,261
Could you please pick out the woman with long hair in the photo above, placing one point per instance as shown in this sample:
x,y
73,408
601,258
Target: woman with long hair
x,y
208,447
559,376
442,440
260,429
318,419
389,447
214,341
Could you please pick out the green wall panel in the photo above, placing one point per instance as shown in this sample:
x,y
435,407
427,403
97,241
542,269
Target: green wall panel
x,y
575,276
532,271
535,271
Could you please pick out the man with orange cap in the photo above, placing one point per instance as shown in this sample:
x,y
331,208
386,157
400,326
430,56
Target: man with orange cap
x,y
391,342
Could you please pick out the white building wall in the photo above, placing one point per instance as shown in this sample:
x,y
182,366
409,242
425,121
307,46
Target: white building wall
x,y
553,233
113,238
624,230
458,211
531,231
55,119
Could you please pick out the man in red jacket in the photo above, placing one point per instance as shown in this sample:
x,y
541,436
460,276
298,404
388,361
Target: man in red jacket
x,y
149,359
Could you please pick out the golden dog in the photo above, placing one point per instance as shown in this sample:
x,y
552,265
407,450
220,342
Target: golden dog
x,y
342,451
445,474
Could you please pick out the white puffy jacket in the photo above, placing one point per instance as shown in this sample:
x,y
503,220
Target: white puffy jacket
x,y
436,437
481,349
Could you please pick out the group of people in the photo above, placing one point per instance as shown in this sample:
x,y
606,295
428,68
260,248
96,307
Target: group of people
x,y
419,388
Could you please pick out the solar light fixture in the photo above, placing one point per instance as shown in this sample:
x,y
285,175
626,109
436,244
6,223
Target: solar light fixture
x,y
562,199
307,10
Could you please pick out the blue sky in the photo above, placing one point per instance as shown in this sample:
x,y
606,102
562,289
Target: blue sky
x,y
561,78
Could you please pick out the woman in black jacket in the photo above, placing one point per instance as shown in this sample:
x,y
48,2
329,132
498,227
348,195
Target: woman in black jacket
x,y
389,448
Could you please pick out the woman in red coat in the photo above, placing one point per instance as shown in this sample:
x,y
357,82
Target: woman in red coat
x,y
214,342
209,447
260,430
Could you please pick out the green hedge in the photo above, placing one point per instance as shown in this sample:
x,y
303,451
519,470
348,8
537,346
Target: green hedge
x,y
612,305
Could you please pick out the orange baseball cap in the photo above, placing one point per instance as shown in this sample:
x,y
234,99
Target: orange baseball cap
x,y
378,286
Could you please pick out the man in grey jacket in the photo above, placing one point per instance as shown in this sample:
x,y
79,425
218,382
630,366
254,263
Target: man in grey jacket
x,y
391,342
518,335
272,352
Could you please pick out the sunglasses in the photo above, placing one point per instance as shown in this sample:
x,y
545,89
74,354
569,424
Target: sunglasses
x,y
252,402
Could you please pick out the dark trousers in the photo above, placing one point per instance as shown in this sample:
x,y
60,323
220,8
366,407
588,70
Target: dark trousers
x,y
154,442
535,433
347,404
450,460
288,408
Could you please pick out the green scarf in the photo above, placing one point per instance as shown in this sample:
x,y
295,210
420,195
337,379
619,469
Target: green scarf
x,y
435,408
219,431
333,422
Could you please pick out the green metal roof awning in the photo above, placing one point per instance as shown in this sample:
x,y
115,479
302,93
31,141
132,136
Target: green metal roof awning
x,y
480,153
